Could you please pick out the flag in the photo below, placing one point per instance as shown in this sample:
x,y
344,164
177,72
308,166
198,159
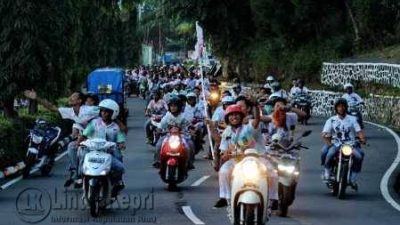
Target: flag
x,y
198,48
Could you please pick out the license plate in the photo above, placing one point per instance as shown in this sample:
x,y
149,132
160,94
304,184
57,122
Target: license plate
x,y
97,160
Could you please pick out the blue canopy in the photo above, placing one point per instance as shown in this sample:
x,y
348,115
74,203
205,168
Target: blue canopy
x,y
107,83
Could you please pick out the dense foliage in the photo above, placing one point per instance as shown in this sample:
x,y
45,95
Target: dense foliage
x,y
52,45
291,37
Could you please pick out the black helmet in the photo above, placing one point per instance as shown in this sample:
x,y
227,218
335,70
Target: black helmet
x,y
342,101
175,101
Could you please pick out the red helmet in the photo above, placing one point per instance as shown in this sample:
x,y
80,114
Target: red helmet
x,y
232,109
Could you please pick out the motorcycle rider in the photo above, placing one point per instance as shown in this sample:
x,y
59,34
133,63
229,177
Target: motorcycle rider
x,y
194,113
277,91
237,90
270,79
293,89
79,113
237,137
353,99
156,106
176,118
348,126
106,128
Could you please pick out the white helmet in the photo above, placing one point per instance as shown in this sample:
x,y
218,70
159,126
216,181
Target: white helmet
x,y
111,105
347,85
228,99
270,78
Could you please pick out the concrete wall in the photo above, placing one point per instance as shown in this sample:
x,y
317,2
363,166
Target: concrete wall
x,y
337,74
379,109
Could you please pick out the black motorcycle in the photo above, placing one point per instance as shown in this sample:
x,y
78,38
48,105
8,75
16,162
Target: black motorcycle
x,y
287,162
342,167
41,147
302,101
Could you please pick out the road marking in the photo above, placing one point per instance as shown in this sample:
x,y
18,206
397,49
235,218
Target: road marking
x,y
34,170
199,181
61,155
385,179
189,214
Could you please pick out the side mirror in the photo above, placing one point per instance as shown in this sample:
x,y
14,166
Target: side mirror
x,y
306,133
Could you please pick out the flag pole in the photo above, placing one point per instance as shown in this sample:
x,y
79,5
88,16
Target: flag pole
x,y
202,50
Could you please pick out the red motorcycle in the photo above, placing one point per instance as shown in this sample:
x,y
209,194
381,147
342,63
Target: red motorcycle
x,y
173,159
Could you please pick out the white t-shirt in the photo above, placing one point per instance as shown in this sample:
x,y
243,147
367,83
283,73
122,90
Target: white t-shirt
x,y
353,98
348,126
243,137
86,113
297,90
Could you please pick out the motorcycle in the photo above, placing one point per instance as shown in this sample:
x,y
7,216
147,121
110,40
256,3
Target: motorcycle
x,y
302,101
342,167
355,110
173,159
287,161
96,168
155,118
250,202
41,148
196,133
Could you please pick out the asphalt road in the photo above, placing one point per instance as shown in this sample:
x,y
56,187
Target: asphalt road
x,y
146,200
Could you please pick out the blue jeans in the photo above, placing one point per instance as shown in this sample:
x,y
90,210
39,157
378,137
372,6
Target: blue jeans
x,y
358,156
73,156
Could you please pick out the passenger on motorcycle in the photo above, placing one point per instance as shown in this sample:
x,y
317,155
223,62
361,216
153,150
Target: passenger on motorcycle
x,y
283,121
237,137
353,99
157,106
175,118
349,129
300,89
106,128
92,99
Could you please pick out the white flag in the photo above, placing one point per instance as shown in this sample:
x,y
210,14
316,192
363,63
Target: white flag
x,y
198,48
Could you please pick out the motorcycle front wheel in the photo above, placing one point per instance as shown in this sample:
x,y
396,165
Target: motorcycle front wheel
x,y
94,201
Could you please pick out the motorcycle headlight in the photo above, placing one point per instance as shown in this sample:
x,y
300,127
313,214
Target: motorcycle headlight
x,y
37,139
250,171
347,150
286,168
103,173
174,142
214,95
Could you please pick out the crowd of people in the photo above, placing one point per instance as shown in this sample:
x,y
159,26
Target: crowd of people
x,y
184,99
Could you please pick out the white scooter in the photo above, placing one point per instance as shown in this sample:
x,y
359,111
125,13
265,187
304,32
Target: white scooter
x,y
96,169
250,201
